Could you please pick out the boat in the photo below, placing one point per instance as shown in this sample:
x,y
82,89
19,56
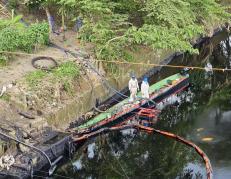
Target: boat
x,y
125,110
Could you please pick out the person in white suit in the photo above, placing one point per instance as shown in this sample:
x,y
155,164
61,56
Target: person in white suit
x,y
145,88
133,87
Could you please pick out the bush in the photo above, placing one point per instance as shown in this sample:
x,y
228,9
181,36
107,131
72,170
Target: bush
x,y
15,22
9,39
37,34
26,39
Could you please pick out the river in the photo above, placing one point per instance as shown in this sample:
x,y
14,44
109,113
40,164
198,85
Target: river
x,y
202,116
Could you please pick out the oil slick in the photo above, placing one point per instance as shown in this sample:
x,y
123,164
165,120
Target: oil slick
x,y
207,139
200,129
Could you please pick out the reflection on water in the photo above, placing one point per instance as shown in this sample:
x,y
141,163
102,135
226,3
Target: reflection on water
x,y
78,164
203,116
90,150
222,170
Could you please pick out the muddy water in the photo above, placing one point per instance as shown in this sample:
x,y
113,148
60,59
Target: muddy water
x,y
203,116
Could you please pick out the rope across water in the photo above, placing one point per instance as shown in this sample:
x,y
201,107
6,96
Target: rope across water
x,y
123,62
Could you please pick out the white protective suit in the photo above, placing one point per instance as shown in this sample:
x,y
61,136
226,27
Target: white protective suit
x,y
133,87
145,89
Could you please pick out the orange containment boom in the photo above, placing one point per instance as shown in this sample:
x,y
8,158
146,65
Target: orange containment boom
x,y
184,141
150,113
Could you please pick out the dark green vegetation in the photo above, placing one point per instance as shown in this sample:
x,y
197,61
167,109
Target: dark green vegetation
x,y
222,97
14,36
117,26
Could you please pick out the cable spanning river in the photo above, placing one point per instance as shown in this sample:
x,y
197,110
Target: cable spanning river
x,y
202,114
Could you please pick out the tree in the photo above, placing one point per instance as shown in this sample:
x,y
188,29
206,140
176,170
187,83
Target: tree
x,y
164,24
114,26
45,5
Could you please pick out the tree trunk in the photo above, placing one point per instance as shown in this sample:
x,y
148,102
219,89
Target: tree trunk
x,y
49,19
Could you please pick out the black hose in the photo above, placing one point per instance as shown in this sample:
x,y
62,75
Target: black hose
x,y
27,145
91,67
98,110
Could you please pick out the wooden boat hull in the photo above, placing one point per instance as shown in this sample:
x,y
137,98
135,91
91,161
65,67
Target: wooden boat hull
x,y
121,118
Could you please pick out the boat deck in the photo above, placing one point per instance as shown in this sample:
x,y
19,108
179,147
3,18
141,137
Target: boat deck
x,y
116,108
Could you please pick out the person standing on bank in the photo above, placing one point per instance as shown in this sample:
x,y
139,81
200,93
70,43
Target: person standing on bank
x,y
145,88
133,87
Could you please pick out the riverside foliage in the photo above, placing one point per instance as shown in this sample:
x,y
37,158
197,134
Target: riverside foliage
x,y
117,25
15,36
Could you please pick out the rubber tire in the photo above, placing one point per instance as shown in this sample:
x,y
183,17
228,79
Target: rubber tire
x,y
34,60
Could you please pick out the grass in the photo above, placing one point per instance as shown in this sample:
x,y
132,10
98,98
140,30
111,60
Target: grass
x,y
3,61
34,78
64,74
67,70
5,97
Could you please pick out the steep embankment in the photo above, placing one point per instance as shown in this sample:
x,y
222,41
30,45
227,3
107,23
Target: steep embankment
x,y
61,104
